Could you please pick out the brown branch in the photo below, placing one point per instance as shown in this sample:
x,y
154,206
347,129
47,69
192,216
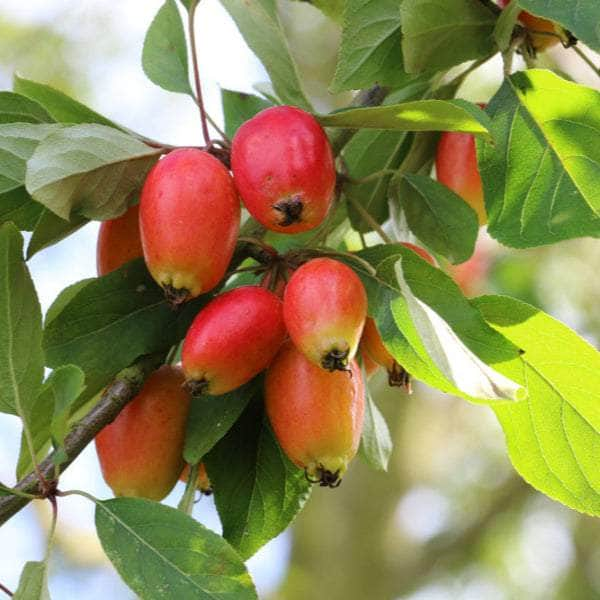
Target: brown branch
x,y
124,387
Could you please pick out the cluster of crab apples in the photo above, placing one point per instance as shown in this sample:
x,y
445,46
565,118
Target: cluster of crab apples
x,y
305,326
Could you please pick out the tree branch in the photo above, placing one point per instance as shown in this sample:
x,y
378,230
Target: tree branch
x,y
122,390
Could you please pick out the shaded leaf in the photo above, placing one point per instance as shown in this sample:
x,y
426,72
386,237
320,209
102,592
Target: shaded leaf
x,y
164,57
438,217
51,229
505,25
442,33
21,357
542,178
18,142
103,325
210,419
163,554
238,107
371,50
15,108
260,26
553,435
375,442
61,107
19,207
258,491
90,170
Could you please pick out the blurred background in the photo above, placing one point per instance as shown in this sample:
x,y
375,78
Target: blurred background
x,y
451,520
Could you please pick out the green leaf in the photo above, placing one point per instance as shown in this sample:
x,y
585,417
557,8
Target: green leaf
x,y
371,50
89,170
238,107
580,17
51,229
59,106
21,358
18,142
505,25
553,436
260,26
421,115
334,9
15,108
438,217
33,584
371,150
18,206
542,180
103,325
163,554
438,34
164,57
375,442
49,414
258,491
211,417
431,329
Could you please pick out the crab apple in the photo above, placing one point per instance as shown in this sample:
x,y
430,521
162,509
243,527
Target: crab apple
x,y
118,241
284,169
374,348
232,339
324,308
140,452
548,35
369,364
456,167
317,416
202,482
189,222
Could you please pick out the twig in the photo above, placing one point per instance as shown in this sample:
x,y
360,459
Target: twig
x,y
586,59
6,590
368,219
196,70
113,400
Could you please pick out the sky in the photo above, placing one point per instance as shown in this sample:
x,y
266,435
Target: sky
x,y
120,90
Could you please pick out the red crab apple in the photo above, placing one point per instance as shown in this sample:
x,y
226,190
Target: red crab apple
x,y
140,452
189,222
317,416
284,169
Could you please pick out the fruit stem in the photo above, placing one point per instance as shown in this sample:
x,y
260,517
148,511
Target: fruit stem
x,y
196,70
372,177
186,504
586,59
368,219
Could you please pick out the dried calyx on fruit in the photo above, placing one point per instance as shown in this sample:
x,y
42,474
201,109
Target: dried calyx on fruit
x,y
325,307
284,169
317,416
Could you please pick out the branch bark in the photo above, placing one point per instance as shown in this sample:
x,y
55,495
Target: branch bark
x,y
116,396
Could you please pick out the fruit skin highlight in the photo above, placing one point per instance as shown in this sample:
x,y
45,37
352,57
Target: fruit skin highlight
x,y
189,223
533,23
232,339
324,308
118,241
456,167
284,170
141,451
317,416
